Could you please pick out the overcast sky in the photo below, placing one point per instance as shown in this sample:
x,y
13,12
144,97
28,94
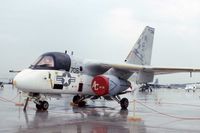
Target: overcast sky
x,y
105,30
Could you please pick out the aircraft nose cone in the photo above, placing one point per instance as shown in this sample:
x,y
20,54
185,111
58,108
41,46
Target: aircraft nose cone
x,y
18,80
14,82
24,79
28,80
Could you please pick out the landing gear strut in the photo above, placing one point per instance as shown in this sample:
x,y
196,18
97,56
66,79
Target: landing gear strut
x,y
25,106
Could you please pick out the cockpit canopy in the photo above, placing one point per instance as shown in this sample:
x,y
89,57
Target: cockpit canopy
x,y
53,61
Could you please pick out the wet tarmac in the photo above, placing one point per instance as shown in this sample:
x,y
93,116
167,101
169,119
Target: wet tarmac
x,y
163,110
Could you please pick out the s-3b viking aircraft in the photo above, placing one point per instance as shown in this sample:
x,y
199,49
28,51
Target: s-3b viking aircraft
x,y
57,73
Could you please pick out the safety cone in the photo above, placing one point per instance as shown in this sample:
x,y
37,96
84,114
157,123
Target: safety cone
x,y
20,99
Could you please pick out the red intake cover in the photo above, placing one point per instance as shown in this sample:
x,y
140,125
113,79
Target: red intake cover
x,y
100,85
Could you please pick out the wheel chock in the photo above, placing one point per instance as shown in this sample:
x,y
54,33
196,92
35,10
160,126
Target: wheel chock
x,y
134,118
73,104
19,104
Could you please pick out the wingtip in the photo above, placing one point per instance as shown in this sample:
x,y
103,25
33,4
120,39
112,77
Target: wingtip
x,y
149,27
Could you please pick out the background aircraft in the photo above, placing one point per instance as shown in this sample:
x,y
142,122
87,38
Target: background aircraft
x,y
192,87
1,84
56,73
5,81
150,86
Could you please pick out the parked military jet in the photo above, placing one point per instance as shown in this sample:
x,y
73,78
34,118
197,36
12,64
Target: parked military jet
x,y
56,73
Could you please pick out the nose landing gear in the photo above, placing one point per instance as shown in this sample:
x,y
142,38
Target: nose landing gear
x,y
42,105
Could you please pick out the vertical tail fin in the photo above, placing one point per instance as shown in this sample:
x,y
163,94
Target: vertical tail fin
x,y
142,50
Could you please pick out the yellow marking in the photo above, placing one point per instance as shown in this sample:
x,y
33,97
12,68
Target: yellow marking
x,y
73,104
14,82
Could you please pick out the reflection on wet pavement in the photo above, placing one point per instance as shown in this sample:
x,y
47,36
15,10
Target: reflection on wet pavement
x,y
105,117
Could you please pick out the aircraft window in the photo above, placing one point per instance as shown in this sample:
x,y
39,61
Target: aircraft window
x,y
46,61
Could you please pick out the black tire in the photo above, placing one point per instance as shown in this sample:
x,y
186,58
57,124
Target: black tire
x,y
76,99
45,105
124,103
39,106
81,104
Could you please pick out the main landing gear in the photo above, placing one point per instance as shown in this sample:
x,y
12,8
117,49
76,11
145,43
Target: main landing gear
x,y
78,100
123,102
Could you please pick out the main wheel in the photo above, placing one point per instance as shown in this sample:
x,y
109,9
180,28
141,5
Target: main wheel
x,y
124,103
81,103
76,99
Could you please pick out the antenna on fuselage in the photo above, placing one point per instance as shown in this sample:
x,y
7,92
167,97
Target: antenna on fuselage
x,y
72,52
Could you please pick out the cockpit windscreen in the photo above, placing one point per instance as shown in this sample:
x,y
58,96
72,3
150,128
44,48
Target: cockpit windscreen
x,y
52,60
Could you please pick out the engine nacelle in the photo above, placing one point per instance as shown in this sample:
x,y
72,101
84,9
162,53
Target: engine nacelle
x,y
109,85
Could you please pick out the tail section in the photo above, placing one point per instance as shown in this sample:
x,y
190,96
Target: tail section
x,y
142,50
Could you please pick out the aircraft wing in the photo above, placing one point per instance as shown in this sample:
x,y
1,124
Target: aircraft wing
x,y
168,70
152,69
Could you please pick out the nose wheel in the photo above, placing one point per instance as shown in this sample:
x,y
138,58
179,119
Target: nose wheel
x,y
42,105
